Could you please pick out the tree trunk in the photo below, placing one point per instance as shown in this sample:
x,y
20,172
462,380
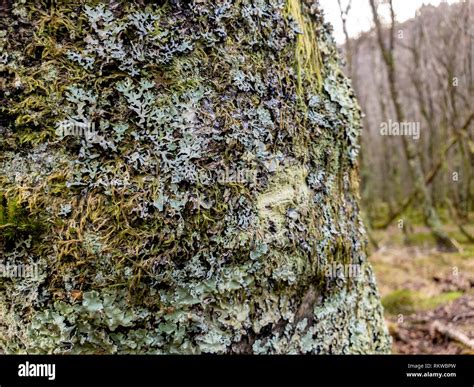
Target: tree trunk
x,y
184,179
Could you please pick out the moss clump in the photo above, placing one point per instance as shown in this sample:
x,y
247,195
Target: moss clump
x,y
15,220
421,239
406,301
308,57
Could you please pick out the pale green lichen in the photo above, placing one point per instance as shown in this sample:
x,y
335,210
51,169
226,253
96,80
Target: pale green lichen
x,y
287,194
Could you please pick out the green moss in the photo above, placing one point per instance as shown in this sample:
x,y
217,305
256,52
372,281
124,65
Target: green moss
x,y
406,301
15,219
422,239
308,58
441,299
468,251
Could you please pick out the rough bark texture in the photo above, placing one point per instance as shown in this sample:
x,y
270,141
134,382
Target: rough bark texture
x,y
220,188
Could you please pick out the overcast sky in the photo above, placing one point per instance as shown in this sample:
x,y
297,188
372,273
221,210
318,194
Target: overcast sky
x,y
360,15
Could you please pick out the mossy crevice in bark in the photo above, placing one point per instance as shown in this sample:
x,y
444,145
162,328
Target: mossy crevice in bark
x,y
308,57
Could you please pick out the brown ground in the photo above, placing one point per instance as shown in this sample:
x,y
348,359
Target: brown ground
x,y
422,289
416,334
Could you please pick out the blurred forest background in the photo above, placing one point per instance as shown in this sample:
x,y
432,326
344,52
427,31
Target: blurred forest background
x,y
418,190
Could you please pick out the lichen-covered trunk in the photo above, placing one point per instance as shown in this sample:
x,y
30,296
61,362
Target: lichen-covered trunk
x,y
180,177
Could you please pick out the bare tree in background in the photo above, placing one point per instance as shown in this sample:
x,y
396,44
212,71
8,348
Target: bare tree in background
x,y
344,12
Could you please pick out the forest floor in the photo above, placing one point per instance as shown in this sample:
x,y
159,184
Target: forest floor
x,y
428,295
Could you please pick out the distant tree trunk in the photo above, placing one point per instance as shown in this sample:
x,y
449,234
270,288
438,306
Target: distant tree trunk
x,y
344,13
184,174
430,214
391,186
